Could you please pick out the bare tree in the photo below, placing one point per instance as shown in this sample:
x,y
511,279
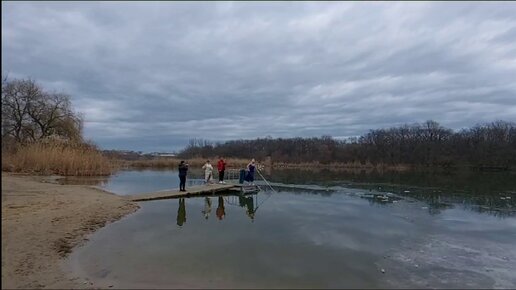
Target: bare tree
x,y
29,113
426,144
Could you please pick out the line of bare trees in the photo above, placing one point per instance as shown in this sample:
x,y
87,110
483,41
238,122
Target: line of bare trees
x,y
426,144
30,113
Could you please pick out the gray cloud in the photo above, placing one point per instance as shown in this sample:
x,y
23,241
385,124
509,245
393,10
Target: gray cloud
x,y
151,75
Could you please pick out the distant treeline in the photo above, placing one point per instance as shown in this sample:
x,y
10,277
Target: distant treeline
x,y
427,144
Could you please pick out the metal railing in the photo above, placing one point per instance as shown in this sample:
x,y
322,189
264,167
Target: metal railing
x,y
232,174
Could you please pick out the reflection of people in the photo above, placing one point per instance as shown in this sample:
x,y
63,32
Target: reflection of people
x,y
183,168
250,208
208,171
220,209
181,212
250,172
248,203
221,166
207,207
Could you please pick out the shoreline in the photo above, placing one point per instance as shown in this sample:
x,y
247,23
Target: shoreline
x,y
233,163
42,222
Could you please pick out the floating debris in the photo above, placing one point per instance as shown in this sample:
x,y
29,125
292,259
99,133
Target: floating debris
x,y
406,191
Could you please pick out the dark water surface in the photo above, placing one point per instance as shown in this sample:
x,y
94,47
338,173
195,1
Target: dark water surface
x,y
319,230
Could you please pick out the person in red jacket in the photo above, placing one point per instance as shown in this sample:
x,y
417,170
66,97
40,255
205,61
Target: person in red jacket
x,y
221,166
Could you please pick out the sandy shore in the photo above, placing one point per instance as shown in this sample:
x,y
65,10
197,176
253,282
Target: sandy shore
x,y
42,222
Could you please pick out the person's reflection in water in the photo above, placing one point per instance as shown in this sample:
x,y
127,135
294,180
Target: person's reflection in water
x,y
250,208
207,207
181,212
248,203
221,212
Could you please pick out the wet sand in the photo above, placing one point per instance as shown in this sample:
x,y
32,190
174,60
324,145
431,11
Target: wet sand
x,y
42,222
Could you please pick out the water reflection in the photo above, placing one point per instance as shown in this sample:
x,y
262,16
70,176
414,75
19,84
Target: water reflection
x,y
181,212
499,204
491,193
349,233
221,211
143,251
460,180
207,207
247,201
83,180
380,198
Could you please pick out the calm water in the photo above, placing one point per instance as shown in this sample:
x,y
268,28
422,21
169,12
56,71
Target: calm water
x,y
320,230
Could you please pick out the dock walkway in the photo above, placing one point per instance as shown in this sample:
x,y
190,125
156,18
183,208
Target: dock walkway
x,y
194,190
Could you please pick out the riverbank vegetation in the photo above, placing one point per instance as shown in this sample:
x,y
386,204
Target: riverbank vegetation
x,y
174,162
57,157
490,146
41,133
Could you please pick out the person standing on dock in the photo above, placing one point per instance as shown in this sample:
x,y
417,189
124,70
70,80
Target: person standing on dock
x,y
221,166
208,172
183,169
251,167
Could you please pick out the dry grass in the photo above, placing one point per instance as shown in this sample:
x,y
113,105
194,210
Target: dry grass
x,y
340,165
57,157
174,162
241,163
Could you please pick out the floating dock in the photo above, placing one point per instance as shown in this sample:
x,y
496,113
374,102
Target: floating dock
x,y
205,189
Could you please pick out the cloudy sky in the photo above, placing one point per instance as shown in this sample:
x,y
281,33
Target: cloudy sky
x,y
149,76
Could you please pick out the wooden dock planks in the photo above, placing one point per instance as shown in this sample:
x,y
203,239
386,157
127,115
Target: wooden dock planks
x,y
194,190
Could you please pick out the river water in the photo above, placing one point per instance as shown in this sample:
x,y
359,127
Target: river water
x,y
314,229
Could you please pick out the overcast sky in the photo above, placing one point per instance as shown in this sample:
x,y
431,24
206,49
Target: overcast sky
x,y
149,76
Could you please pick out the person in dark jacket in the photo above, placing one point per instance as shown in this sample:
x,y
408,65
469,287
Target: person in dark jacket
x,y
183,169
251,167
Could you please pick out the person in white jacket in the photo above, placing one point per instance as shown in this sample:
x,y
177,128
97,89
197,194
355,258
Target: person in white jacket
x,y
208,172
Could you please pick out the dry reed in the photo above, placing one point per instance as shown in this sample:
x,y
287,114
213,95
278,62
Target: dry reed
x,y
57,157
194,162
241,163
341,165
